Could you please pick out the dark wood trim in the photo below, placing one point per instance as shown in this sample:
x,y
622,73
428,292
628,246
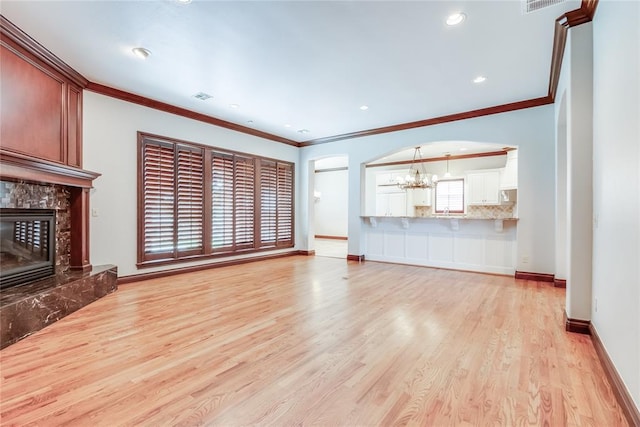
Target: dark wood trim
x,y
179,111
172,272
576,325
559,43
322,236
538,277
358,258
307,253
572,18
10,32
21,167
629,409
560,283
529,103
438,159
79,248
343,168
583,14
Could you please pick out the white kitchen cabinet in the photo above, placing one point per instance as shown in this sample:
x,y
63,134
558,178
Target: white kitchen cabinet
x,y
509,175
421,196
393,204
484,187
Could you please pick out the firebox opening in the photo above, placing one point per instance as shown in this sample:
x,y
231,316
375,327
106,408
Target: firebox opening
x,y
27,245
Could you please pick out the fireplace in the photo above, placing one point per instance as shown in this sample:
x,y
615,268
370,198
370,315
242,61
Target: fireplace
x,y
27,245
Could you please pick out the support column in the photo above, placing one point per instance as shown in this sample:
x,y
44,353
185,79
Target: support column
x,y
580,179
355,251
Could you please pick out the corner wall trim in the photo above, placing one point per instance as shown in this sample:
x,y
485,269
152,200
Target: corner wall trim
x,y
560,283
576,325
358,258
539,277
629,409
172,272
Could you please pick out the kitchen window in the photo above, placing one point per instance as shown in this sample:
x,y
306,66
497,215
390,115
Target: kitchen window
x,y
450,196
196,201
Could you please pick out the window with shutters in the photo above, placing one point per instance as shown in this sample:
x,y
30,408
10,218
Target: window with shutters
x,y
199,201
450,196
172,202
276,204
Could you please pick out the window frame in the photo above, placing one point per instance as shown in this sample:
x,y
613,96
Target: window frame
x,y
145,258
435,202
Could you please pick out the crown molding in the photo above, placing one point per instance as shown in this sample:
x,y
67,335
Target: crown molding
x,y
168,108
11,35
570,19
529,103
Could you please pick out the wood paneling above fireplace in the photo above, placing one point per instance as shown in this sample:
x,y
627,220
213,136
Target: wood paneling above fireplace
x,y
41,128
41,109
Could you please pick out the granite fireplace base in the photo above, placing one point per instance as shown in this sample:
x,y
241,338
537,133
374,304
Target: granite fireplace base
x,y
28,308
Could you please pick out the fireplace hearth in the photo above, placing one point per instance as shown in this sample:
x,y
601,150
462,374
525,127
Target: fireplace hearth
x,y
27,245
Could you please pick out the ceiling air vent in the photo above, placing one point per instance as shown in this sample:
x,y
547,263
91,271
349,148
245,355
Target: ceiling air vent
x,y
529,6
202,96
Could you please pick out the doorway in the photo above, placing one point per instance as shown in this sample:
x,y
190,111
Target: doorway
x,y
331,198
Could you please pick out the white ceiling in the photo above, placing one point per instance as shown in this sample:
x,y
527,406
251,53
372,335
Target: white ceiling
x,y
309,64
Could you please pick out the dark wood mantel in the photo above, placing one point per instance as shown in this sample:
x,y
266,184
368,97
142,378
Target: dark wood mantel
x,y
20,167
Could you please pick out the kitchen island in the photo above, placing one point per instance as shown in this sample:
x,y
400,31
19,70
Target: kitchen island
x,y
461,242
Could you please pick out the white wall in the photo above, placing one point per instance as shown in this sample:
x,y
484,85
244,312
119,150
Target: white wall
x,y
532,130
616,186
331,207
110,148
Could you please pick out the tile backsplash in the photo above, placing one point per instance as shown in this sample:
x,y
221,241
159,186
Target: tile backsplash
x,y
490,212
498,211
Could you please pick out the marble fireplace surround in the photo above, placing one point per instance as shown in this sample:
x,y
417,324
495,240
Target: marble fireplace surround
x,y
28,183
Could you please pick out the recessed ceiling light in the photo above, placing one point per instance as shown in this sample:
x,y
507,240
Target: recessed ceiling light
x,y
287,125
463,149
479,79
456,18
303,131
364,107
141,52
234,106
184,1
249,121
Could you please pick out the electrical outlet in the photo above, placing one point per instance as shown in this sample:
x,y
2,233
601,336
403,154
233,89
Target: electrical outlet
x,y
525,259
94,212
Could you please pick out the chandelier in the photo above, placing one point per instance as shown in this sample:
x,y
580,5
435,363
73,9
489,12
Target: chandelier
x,y
417,176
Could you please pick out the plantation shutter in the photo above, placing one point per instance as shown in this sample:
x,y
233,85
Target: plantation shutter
x,y
158,186
268,199
222,202
284,211
244,203
190,201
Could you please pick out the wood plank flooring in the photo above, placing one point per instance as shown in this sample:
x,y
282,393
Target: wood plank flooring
x,y
311,341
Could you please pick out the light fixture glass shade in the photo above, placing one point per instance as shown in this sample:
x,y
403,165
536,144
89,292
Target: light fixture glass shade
x,y
417,176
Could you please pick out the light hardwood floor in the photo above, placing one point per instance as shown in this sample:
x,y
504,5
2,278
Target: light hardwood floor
x,y
331,247
311,341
